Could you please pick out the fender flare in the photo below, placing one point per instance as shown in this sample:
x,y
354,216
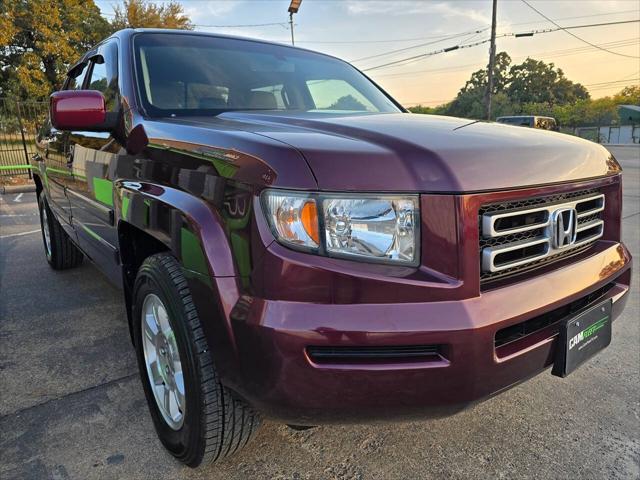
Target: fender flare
x,y
182,222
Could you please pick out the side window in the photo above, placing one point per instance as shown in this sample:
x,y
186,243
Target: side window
x,y
334,94
98,79
76,77
104,73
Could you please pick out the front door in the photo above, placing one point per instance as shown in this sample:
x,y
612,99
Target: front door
x,y
53,150
93,157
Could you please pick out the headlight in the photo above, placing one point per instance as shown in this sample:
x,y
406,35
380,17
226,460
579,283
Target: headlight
x,y
368,227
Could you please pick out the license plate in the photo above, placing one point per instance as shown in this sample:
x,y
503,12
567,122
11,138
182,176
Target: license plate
x,y
581,337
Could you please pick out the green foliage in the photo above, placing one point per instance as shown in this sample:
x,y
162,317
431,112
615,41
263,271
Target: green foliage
x,y
532,81
144,14
426,110
41,39
533,88
348,102
586,112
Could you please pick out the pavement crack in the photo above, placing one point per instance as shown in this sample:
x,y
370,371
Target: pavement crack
x,y
71,394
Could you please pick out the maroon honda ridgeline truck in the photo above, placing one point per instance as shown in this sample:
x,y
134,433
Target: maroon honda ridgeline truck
x,y
291,241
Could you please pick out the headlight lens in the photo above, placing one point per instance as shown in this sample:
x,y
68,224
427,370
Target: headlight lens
x,y
368,227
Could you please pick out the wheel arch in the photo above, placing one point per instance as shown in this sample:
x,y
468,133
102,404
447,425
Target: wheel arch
x,y
152,219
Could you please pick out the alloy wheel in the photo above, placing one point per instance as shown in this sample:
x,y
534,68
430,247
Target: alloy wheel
x,y
162,359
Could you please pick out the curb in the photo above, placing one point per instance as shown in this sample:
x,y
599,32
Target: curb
x,y
10,189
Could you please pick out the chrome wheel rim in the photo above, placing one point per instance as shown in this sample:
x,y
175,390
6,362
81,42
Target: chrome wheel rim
x,y
45,230
162,360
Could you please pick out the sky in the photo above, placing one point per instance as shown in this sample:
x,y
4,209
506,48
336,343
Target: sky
x,y
356,29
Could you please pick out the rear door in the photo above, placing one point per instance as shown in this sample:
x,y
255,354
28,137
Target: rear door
x,y
93,157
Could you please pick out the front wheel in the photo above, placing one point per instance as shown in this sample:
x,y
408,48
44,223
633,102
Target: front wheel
x,y
197,419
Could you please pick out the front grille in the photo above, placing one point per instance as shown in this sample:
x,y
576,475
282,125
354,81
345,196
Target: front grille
x,y
368,354
521,235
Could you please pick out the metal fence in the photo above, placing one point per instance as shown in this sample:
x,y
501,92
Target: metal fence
x,y
19,123
611,134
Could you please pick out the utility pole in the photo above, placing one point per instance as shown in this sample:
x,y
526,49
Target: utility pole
x,y
294,6
291,25
492,61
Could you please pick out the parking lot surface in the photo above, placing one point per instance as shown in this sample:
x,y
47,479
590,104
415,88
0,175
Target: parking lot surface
x,y
72,405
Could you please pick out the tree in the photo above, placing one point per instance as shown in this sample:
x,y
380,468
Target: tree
x,y
348,102
532,82
41,39
470,100
628,96
143,14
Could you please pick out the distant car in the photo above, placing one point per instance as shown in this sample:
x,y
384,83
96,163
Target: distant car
x,y
292,244
532,121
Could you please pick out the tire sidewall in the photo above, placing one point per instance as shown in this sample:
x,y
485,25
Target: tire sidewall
x,y
42,204
153,278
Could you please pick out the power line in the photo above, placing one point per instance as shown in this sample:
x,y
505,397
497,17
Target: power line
x,y
281,24
398,40
390,40
442,39
428,54
573,35
635,10
624,80
457,47
552,53
413,39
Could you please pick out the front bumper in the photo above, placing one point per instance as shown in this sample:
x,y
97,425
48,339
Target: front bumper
x,y
279,378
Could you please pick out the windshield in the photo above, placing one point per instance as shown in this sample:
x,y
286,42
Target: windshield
x,y
183,74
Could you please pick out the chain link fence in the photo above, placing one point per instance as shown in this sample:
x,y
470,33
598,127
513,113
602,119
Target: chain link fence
x,y
19,123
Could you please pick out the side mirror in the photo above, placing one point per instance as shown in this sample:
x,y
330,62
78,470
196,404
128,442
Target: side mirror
x,y
80,110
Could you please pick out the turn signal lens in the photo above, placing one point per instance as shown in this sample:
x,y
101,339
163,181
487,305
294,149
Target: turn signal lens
x,y
293,218
310,220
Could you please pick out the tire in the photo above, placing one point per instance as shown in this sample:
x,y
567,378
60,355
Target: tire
x,y
208,422
60,251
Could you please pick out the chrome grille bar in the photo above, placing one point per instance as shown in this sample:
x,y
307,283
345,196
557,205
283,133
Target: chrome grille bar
x,y
489,221
532,232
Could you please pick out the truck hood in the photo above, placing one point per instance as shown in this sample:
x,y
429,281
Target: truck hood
x,y
412,152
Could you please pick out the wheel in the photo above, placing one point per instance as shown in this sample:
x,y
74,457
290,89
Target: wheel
x,y
197,419
60,251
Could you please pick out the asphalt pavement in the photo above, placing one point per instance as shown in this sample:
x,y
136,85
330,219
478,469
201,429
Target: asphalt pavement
x,y
72,405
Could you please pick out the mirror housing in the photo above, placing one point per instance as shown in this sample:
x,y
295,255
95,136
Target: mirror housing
x,y
80,110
